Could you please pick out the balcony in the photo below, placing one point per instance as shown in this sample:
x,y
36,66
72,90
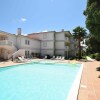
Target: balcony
x,y
67,40
67,48
71,48
73,41
6,44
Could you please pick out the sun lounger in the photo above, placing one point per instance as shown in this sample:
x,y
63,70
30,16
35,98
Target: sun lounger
x,y
23,57
89,59
57,58
62,58
20,59
45,57
53,58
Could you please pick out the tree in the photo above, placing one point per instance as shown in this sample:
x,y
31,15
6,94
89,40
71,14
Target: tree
x,y
93,44
79,34
92,14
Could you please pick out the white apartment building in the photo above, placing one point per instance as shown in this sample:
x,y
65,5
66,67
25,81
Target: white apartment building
x,y
17,45
35,44
56,43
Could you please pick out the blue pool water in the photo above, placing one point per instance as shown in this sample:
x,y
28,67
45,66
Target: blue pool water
x,y
36,81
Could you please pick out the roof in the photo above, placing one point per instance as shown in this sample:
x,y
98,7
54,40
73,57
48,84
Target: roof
x,y
6,33
40,32
66,32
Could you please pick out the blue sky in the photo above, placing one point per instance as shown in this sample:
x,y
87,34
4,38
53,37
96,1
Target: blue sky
x,y
41,15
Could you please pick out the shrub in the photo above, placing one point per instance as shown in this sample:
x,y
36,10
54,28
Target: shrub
x,y
48,56
97,56
92,56
72,58
83,57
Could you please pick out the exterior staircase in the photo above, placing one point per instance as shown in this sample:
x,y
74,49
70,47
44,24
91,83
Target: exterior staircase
x,y
6,49
20,52
11,51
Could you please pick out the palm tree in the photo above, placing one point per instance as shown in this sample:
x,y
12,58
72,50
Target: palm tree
x,y
79,34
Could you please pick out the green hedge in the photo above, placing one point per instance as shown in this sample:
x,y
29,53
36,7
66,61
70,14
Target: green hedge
x,y
95,56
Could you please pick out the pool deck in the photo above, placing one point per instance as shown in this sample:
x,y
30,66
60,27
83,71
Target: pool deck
x,y
90,81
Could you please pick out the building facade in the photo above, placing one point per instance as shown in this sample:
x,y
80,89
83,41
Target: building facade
x,y
17,45
56,43
37,44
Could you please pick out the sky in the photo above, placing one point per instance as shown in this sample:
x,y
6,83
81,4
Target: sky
x,y
41,15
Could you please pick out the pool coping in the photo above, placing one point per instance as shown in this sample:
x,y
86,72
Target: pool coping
x,y
73,94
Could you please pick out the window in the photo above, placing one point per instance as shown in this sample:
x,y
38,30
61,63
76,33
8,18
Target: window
x,y
27,42
44,44
27,53
44,36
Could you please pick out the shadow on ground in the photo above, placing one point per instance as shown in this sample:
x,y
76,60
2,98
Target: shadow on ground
x,y
98,69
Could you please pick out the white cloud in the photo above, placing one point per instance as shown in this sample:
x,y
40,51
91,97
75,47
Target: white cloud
x,y
45,31
23,19
24,34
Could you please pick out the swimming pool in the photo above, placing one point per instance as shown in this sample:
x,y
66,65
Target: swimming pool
x,y
37,81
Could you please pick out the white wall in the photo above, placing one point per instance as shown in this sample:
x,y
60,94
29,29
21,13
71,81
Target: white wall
x,y
59,45
46,36
20,52
18,42
12,38
59,36
47,52
59,52
47,45
34,45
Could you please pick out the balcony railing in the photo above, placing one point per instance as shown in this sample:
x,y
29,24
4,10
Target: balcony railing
x,y
73,41
6,43
67,48
72,48
67,39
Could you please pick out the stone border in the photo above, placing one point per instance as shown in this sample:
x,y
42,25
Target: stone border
x,y
75,87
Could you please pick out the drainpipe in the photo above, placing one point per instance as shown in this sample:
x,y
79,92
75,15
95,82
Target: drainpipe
x,y
67,51
54,43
